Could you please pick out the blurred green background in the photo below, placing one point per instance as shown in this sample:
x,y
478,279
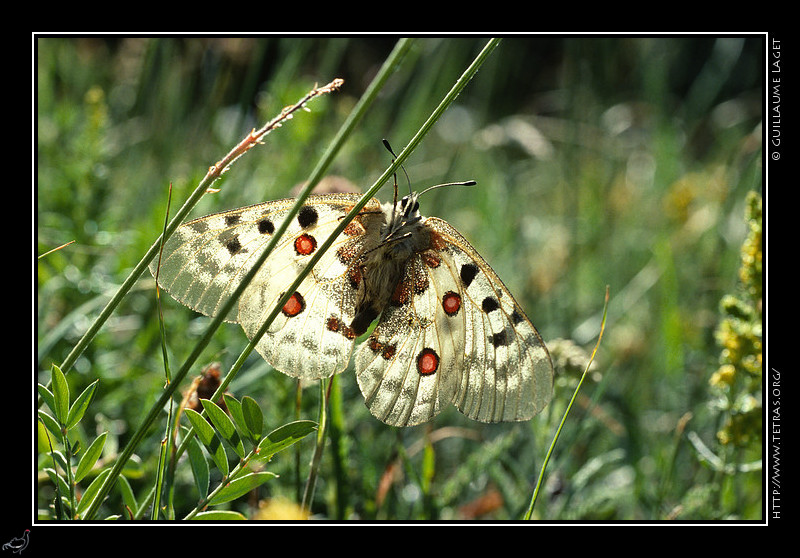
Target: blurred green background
x,y
600,161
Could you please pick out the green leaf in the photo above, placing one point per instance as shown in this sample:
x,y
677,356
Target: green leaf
x,y
51,424
284,436
210,440
253,416
47,396
78,408
235,410
57,479
91,492
61,461
199,467
224,426
240,486
60,395
90,457
201,427
128,497
219,515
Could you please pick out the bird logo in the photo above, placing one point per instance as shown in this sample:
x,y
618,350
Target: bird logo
x,y
18,544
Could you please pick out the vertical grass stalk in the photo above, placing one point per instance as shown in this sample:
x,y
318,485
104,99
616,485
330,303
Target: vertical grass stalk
x,y
540,481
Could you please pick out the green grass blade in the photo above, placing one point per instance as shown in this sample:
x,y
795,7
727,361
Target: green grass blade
x,y
540,481
156,408
324,163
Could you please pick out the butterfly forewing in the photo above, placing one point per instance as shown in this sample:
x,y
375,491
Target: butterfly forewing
x,y
206,259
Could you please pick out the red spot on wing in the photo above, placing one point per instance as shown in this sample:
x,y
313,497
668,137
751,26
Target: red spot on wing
x,y
354,228
305,244
431,259
355,275
294,305
436,241
402,293
385,350
427,362
388,351
336,325
451,303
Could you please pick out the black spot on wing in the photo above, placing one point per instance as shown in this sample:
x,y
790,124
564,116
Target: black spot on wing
x,y
233,245
468,273
499,339
307,217
265,226
199,226
490,304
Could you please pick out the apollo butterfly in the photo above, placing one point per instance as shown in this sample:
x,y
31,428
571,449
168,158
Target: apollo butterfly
x,y
447,329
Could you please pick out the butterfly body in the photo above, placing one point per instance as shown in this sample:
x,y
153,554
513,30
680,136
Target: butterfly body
x,y
403,234
447,331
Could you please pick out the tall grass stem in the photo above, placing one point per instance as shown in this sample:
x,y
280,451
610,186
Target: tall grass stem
x,y
540,481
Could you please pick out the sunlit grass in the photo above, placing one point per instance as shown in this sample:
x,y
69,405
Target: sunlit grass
x,y
599,162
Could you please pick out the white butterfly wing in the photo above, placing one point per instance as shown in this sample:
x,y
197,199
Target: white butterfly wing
x,y
507,374
408,369
457,337
452,333
206,259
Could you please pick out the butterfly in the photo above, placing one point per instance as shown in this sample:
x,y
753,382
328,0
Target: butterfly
x,y
447,329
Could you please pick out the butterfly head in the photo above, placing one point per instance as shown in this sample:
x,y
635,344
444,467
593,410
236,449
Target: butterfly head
x,y
401,228
404,218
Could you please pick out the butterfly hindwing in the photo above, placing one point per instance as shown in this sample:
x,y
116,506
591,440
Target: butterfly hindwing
x,y
409,368
507,374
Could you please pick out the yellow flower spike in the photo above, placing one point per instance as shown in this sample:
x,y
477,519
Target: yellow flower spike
x,y
724,376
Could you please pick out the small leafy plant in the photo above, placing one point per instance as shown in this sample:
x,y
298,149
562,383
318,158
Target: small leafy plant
x,y
64,418
243,426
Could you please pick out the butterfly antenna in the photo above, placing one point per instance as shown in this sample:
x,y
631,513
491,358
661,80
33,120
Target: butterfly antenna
x,y
394,157
408,180
464,183
389,149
